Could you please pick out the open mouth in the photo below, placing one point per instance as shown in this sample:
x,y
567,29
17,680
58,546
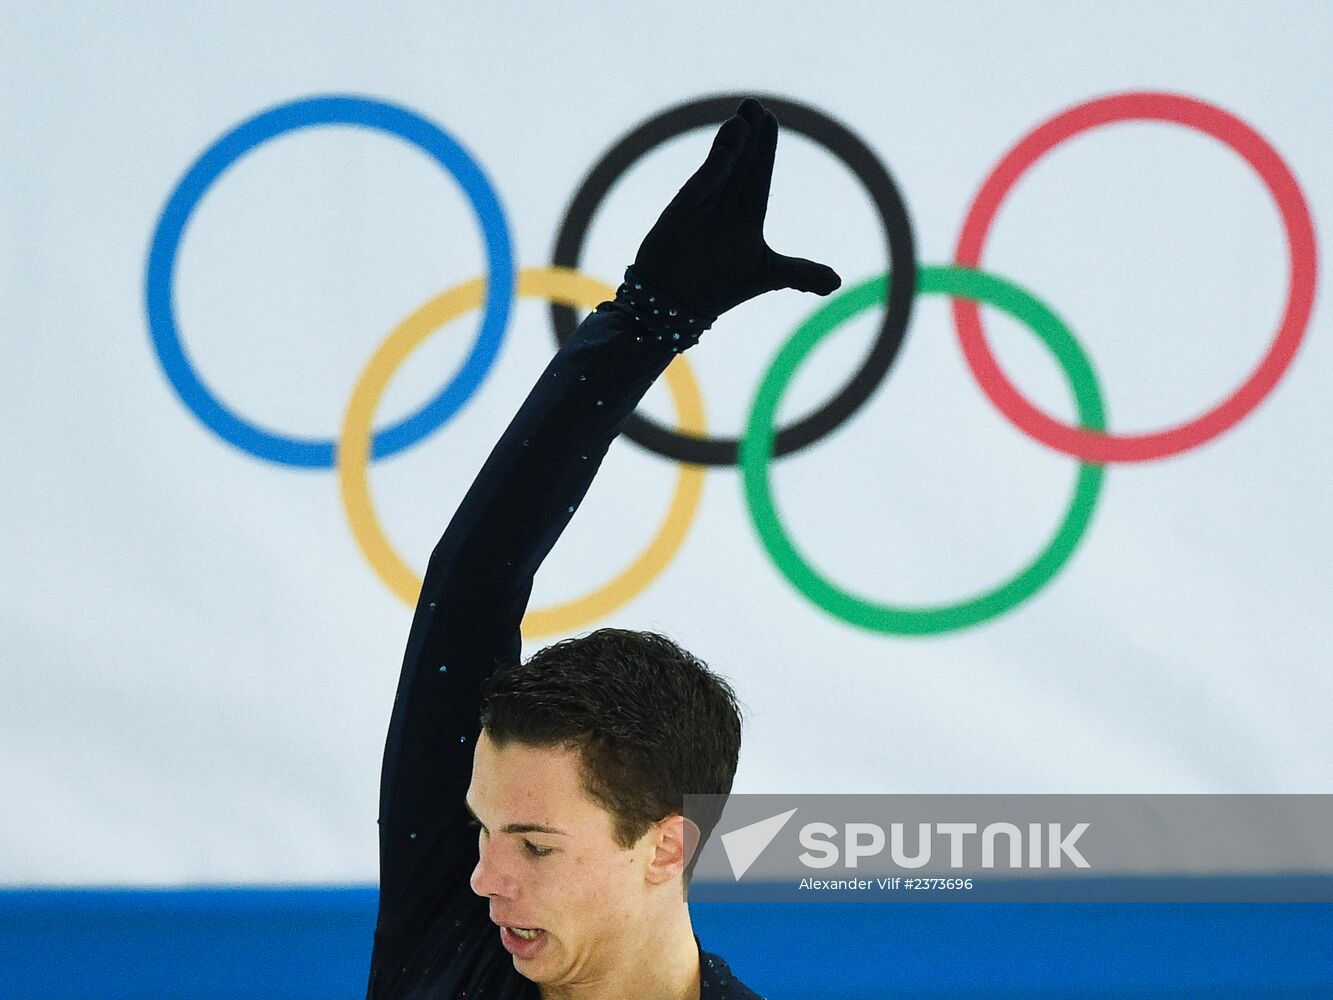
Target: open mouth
x,y
522,942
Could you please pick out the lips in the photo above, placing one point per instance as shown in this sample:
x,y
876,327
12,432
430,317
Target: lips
x,y
517,924
522,942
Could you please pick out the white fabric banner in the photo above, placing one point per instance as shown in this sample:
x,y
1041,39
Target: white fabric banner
x,y
197,661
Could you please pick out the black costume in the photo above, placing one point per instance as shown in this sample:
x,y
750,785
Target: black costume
x,y
434,937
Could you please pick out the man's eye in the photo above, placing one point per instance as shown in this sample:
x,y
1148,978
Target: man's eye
x,y
535,851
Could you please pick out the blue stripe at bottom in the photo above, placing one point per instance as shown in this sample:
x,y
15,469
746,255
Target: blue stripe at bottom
x,y
314,944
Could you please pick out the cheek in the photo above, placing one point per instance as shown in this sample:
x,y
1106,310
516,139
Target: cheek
x,y
601,890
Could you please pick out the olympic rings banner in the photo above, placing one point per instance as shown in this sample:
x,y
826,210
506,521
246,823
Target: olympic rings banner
x,y
893,292
1035,502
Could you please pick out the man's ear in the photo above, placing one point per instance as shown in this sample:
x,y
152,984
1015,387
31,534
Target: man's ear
x,y
677,838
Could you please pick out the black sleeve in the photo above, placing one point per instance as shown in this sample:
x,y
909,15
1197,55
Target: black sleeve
x,y
476,589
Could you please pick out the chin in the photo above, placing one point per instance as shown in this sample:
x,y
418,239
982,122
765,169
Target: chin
x,y
543,969
539,970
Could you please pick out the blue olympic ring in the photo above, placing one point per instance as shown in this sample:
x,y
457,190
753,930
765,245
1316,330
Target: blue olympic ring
x,y
332,110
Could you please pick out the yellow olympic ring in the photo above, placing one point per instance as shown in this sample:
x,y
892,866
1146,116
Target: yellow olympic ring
x,y
557,284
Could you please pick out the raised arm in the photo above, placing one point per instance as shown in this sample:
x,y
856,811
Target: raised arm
x,y
705,254
480,574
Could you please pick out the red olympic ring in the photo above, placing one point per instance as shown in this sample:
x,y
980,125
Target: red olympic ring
x,y
1094,446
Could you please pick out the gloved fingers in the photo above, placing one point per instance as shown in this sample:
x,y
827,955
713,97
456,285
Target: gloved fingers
x,y
754,196
801,274
710,178
734,193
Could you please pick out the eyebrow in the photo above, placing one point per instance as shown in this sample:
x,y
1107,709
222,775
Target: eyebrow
x,y
518,827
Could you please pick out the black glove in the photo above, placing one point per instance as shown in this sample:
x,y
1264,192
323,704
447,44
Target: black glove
x,y
707,250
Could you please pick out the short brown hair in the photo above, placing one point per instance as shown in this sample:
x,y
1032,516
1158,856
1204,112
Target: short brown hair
x,y
652,722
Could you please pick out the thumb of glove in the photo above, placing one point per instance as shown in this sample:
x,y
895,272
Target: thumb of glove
x,y
802,275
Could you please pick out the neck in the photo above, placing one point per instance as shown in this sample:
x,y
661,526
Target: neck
x,y
662,965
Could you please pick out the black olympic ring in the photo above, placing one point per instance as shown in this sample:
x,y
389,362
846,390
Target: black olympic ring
x,y
874,177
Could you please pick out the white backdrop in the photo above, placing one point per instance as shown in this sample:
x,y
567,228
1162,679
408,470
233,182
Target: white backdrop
x,y
197,663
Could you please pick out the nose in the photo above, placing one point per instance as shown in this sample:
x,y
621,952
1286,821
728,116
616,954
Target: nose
x,y
490,877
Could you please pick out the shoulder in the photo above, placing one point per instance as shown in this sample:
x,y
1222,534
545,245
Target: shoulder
x,y
717,982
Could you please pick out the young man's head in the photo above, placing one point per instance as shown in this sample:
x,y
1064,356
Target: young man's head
x,y
578,782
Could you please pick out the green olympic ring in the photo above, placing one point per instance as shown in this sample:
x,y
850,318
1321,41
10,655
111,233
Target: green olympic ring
x,y
757,451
